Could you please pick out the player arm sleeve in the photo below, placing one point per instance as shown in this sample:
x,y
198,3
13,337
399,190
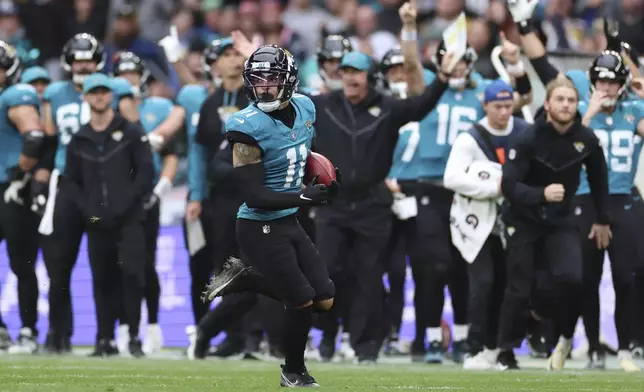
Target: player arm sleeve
x,y
250,172
598,180
196,170
143,164
546,71
416,108
514,171
456,177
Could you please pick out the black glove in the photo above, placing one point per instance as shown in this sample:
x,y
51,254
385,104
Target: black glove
x,y
17,190
39,194
611,31
335,184
316,193
150,202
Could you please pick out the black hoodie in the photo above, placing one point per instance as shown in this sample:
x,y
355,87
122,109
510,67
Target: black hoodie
x,y
111,172
540,157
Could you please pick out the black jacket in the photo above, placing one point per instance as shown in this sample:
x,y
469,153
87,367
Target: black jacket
x,y
541,157
111,172
360,139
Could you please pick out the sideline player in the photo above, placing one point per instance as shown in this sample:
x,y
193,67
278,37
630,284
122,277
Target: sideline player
x,y
23,145
152,111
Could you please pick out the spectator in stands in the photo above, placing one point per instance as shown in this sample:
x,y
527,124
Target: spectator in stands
x,y
478,36
249,17
369,38
12,32
184,21
275,32
306,20
562,29
87,16
388,18
126,37
210,11
228,20
631,23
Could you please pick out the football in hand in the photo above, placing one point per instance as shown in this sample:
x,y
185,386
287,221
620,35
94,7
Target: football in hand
x,y
319,165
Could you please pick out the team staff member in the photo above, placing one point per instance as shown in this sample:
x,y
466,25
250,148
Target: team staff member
x,y
360,129
110,171
539,181
63,114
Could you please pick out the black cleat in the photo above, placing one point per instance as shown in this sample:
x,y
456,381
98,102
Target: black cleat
x,y
66,345
538,346
507,361
233,268
327,348
135,348
105,348
301,379
228,347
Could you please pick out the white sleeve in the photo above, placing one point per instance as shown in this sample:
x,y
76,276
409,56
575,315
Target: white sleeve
x,y
456,178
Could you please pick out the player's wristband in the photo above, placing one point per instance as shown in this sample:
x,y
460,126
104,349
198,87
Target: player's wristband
x,y
409,35
523,85
525,27
515,69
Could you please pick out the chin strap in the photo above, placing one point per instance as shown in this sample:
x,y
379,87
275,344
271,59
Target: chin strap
x,y
268,107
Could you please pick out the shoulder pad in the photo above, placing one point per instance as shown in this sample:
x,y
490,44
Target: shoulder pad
x,y
53,89
187,92
429,76
20,94
121,87
244,121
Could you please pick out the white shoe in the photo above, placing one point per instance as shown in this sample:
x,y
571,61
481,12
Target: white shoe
x,y
480,361
153,339
311,353
626,362
123,339
346,352
560,354
25,344
191,331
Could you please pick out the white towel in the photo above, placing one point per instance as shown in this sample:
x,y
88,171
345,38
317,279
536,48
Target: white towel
x,y
196,236
47,222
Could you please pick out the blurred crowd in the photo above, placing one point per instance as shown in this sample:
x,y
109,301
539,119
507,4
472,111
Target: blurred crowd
x,y
39,28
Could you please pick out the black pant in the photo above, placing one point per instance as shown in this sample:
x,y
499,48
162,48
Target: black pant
x,y
637,326
117,259
486,287
351,238
395,261
554,249
623,252
19,225
152,290
435,262
60,251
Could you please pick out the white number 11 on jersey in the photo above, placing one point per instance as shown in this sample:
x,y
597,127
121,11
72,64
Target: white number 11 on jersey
x,y
291,155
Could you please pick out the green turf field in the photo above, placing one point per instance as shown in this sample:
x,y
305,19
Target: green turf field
x,y
76,374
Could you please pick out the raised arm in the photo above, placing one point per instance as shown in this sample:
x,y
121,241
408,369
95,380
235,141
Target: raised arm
x,y
409,39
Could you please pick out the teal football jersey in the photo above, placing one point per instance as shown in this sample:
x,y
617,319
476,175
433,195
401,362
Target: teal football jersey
x,y
617,134
153,111
190,98
69,111
582,83
406,162
10,138
284,150
456,112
